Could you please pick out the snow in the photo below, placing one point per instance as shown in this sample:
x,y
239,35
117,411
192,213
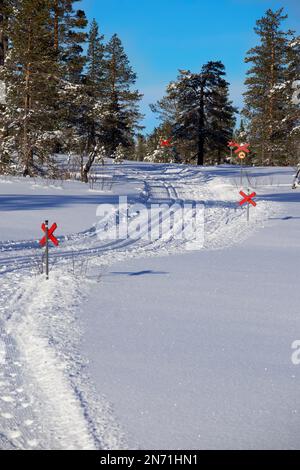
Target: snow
x,y
145,344
295,42
203,360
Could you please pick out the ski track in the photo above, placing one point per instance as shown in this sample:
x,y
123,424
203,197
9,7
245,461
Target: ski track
x,y
46,400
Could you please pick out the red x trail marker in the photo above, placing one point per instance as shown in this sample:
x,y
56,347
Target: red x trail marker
x,y
232,144
243,148
248,198
166,143
51,237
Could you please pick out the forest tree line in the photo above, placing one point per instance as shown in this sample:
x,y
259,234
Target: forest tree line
x,y
197,114
68,91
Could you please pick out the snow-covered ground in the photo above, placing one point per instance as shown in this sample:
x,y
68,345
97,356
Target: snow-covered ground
x,y
145,344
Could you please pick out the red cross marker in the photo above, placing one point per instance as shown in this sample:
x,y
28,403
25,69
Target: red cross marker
x,y
247,199
243,148
51,237
232,144
166,143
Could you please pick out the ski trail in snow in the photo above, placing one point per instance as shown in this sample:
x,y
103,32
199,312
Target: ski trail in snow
x,y
18,419
46,400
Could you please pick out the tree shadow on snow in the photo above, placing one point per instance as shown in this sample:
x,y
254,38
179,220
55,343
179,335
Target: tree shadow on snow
x,y
138,273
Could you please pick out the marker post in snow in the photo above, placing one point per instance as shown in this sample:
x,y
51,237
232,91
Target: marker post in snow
x,y
248,199
166,142
232,144
242,152
45,242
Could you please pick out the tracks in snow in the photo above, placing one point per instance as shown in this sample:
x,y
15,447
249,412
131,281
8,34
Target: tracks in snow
x,y
33,339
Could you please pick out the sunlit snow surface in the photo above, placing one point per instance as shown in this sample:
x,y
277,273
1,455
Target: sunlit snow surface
x,y
144,344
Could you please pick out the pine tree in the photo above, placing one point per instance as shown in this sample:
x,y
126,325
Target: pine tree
x,y
287,129
161,155
199,112
29,122
221,117
264,100
292,99
7,8
69,37
74,99
95,87
241,134
3,30
121,120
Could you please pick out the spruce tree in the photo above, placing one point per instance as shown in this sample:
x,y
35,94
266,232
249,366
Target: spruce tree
x,y
69,37
292,98
68,40
95,87
161,155
199,112
122,116
3,31
7,9
220,114
264,100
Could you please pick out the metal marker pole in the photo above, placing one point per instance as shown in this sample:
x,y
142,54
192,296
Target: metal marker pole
x,y
47,250
241,172
248,207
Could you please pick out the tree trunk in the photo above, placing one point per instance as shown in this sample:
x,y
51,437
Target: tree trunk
x,y
271,101
56,25
3,40
27,152
28,163
200,143
200,152
87,167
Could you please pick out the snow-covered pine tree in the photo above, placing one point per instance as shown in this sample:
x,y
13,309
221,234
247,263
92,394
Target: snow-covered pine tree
x,y
264,99
69,36
119,155
287,129
168,110
240,134
161,154
220,113
198,108
6,9
292,96
29,123
68,25
101,155
121,113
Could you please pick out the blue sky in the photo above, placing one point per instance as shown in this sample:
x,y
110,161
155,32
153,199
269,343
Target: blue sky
x,y
162,36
